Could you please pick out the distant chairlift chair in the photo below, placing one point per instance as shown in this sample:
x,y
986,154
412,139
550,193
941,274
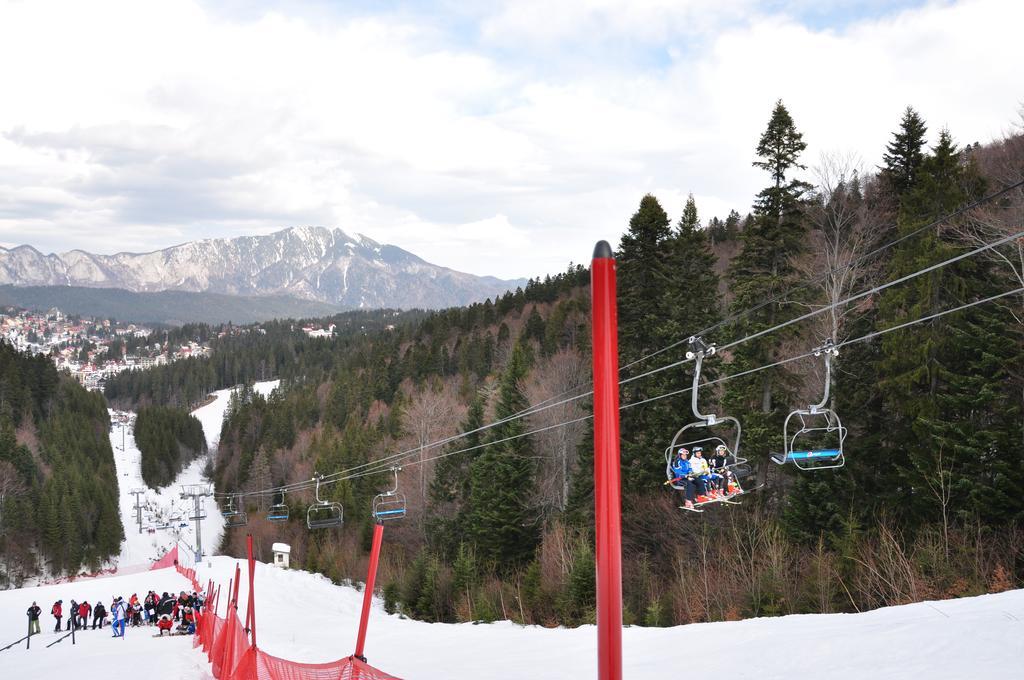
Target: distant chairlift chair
x,y
234,515
324,514
389,504
278,511
817,444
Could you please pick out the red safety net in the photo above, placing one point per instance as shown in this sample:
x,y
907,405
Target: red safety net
x,y
227,646
262,666
167,560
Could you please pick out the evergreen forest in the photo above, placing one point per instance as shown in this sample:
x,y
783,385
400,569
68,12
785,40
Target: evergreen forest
x,y
58,486
168,438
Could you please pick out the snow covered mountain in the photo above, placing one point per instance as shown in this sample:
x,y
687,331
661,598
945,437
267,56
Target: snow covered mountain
x,y
312,263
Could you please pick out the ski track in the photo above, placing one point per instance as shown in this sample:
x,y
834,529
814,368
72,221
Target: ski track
x,y
304,617
165,507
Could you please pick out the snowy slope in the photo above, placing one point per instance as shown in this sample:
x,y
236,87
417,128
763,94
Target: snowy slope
x,y
95,654
304,617
165,511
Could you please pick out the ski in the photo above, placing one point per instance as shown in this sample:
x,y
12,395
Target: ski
x,y
683,507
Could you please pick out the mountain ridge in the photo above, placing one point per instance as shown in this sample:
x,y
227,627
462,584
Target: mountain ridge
x,y
309,262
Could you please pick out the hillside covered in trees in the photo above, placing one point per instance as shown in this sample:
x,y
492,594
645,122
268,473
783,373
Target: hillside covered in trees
x,y
929,503
58,487
244,354
168,438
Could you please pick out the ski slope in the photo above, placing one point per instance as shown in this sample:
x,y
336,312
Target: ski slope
x,y
304,617
164,513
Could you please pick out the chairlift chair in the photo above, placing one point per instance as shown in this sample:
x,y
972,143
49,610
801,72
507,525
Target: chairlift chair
x,y
324,514
234,516
700,433
278,512
817,442
389,504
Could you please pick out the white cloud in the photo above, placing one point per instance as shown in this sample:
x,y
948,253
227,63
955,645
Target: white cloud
x,y
137,124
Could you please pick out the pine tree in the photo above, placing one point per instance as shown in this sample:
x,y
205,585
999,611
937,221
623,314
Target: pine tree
x,y
905,153
764,268
644,273
946,411
501,518
450,489
690,299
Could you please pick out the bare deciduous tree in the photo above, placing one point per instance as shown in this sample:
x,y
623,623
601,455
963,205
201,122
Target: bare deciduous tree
x,y
550,384
848,228
433,412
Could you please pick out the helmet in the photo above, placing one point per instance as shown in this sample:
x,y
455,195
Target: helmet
x,y
683,451
720,448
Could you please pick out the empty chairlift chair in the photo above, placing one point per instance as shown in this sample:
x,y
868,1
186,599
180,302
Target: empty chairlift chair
x,y
234,515
708,431
389,504
278,511
324,514
814,437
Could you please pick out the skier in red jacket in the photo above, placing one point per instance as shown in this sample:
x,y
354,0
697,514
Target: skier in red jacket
x,y
58,612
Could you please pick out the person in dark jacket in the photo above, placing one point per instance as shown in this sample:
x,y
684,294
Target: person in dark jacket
x,y
150,607
99,615
72,616
182,603
58,611
165,606
33,619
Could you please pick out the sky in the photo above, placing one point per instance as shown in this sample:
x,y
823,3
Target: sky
x,y
500,138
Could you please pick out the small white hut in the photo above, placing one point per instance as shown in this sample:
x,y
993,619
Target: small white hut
x,y
281,553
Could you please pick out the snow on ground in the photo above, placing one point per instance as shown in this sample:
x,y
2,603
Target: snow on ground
x,y
165,514
303,617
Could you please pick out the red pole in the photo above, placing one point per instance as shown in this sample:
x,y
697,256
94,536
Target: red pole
x,y
607,471
228,627
371,577
234,593
250,614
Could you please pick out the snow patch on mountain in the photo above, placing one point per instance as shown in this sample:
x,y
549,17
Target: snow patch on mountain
x,y
308,262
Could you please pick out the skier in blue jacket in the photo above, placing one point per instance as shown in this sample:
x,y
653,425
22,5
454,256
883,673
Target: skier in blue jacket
x,y
681,471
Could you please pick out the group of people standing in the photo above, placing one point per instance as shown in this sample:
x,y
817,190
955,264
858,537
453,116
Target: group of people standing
x,y
156,610
703,480
78,614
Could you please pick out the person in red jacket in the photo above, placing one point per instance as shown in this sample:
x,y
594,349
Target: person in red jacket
x,y
83,614
58,611
164,623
